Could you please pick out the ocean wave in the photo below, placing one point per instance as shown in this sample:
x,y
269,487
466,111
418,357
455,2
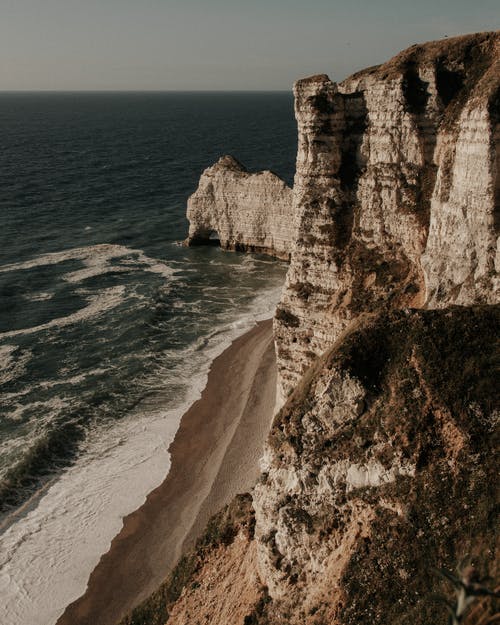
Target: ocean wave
x,y
47,452
72,380
43,542
39,297
96,260
97,305
46,411
13,361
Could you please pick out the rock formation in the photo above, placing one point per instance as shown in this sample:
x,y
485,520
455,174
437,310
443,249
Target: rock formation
x,y
379,471
244,211
397,193
380,466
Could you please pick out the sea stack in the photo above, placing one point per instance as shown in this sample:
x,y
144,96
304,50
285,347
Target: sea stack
x,y
242,211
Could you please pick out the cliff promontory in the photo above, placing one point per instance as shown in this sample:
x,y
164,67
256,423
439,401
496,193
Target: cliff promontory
x,y
377,503
380,471
243,211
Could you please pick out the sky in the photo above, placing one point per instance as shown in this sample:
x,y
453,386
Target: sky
x,y
215,44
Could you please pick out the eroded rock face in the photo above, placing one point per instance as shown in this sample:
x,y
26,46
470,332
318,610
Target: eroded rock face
x,y
380,469
225,589
245,211
380,466
396,192
377,468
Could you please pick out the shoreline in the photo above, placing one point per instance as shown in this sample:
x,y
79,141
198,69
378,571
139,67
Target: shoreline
x,y
214,456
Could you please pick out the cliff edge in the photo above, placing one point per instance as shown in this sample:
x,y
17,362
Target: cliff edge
x,y
379,472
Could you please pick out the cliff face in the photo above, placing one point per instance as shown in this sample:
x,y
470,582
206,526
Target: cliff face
x,y
379,470
380,466
396,190
244,211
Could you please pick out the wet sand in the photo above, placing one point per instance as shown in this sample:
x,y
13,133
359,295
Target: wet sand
x,y
214,456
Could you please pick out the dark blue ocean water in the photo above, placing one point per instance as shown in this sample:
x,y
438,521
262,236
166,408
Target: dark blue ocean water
x,y
101,309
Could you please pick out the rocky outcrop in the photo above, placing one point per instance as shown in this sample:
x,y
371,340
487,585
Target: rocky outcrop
x,y
380,467
243,211
396,192
379,471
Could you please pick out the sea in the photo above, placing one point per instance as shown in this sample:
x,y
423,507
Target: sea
x,y
108,324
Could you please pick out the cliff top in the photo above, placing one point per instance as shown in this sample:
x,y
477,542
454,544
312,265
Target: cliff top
x,y
229,162
464,69
315,78
465,49
461,62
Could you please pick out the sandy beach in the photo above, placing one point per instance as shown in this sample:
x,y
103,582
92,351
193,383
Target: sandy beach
x,y
214,456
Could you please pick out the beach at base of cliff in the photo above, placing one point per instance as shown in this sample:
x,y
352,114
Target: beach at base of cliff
x,y
214,456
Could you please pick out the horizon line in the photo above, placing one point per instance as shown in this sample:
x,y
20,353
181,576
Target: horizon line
x,y
5,91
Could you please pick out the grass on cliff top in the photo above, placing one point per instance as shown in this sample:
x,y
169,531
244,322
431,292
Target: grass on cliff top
x,y
431,380
221,530
458,348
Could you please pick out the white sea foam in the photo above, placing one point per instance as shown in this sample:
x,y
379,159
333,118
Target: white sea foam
x,y
54,405
50,549
39,297
98,304
43,384
74,379
96,260
48,554
6,355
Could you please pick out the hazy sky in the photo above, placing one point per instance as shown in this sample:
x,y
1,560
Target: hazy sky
x,y
215,44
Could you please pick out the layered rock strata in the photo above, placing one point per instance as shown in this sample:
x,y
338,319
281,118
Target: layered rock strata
x,y
396,192
243,211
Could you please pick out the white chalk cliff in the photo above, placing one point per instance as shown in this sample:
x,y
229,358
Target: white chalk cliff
x,y
244,211
397,191
379,467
